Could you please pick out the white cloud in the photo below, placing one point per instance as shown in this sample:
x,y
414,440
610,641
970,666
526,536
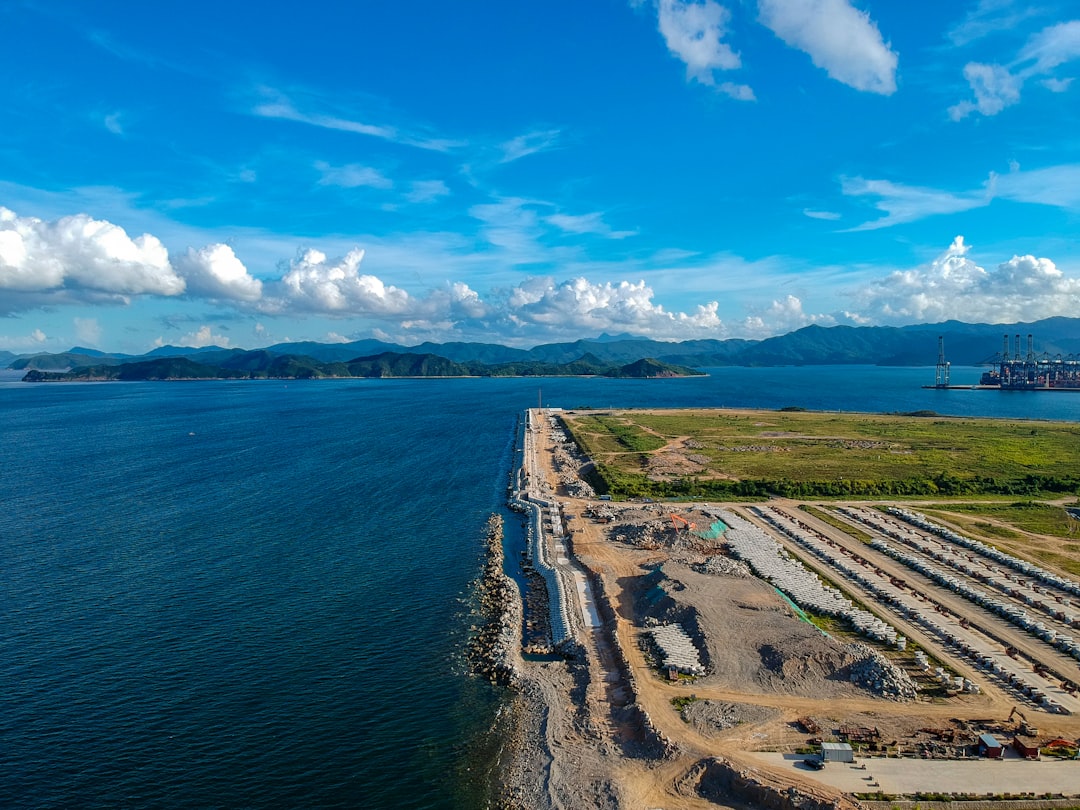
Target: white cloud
x,y
586,224
528,144
739,92
200,338
113,124
828,215
995,89
990,17
953,286
88,331
694,33
1057,85
275,104
79,256
1054,45
839,38
425,191
1057,186
215,272
314,283
352,175
903,203
32,342
998,86
782,316
579,306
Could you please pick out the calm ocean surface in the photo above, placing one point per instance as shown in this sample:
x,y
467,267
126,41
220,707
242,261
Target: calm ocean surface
x,y
254,594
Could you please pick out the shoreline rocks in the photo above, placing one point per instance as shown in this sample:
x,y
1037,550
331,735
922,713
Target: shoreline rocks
x,y
492,648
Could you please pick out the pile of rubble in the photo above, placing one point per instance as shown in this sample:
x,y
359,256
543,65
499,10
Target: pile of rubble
x,y
711,716
873,672
567,461
645,535
575,487
720,566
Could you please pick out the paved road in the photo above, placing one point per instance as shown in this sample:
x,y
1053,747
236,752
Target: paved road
x,y
906,776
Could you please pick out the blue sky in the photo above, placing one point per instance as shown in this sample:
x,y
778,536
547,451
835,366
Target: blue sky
x,y
522,172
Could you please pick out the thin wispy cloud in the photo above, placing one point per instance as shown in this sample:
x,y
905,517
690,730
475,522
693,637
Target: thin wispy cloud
x,y
352,175
427,191
528,144
114,124
901,203
276,105
592,223
990,17
826,215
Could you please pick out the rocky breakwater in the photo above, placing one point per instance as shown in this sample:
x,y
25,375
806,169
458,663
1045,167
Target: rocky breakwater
x,y
494,642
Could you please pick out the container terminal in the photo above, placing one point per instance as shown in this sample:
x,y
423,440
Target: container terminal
x,y
1017,370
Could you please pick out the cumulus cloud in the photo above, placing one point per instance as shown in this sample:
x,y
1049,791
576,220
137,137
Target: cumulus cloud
x,y
995,89
1024,288
694,33
80,257
314,283
215,272
839,38
781,316
997,86
199,339
579,306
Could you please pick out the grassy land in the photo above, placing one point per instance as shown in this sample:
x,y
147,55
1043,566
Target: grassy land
x,y
1041,532
837,523
728,453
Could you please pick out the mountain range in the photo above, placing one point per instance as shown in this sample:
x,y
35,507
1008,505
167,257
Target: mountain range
x,y
917,345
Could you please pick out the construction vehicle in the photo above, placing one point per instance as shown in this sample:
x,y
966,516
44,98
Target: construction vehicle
x,y
1024,727
689,526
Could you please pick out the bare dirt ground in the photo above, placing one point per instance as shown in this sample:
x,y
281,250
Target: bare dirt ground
x,y
606,732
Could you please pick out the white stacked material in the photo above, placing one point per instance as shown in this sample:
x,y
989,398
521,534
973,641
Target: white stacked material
x,y
1011,612
1029,569
677,649
772,563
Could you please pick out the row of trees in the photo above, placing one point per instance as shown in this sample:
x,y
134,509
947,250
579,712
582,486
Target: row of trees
x,y
639,486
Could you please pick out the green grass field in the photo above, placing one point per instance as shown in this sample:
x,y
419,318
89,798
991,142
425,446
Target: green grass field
x,y
748,453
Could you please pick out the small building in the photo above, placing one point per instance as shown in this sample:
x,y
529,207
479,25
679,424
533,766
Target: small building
x,y
1027,747
990,747
837,752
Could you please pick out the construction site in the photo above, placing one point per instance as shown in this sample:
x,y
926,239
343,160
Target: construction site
x,y
792,654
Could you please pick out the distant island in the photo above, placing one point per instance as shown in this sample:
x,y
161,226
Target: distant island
x,y
261,364
915,345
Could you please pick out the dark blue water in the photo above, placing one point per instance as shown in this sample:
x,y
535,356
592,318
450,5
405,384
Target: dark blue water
x,y
254,594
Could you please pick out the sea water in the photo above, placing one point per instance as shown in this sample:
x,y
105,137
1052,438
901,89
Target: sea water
x,y
255,594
